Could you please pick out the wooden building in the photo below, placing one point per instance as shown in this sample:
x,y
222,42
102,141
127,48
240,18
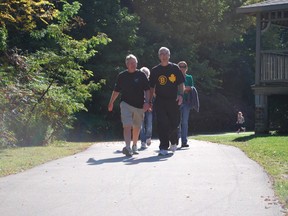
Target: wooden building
x,y
271,68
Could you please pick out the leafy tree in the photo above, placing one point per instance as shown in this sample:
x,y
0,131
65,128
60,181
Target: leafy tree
x,y
208,35
191,28
3,38
26,14
122,27
204,33
43,90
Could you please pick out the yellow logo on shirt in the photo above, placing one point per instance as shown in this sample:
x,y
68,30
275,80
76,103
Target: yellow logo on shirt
x,y
162,80
172,78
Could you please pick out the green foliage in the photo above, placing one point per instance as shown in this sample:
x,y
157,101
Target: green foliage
x,y
277,34
3,38
278,113
56,69
43,90
203,33
122,27
25,15
193,30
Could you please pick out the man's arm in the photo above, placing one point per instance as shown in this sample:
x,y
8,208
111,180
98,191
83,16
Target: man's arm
x,y
147,96
152,91
147,100
112,99
181,88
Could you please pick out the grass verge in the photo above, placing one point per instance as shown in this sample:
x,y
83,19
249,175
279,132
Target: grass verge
x,y
270,151
15,160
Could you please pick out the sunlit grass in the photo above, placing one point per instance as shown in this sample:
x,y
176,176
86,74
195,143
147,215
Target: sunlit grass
x,y
15,160
270,151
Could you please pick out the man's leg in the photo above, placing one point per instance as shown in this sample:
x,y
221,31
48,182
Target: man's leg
x,y
174,121
149,123
143,129
184,124
126,118
127,135
162,125
135,135
127,138
180,128
138,117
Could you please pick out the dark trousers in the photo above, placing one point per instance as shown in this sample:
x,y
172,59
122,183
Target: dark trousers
x,y
168,119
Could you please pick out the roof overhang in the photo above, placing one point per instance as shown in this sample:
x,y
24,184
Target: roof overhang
x,y
266,6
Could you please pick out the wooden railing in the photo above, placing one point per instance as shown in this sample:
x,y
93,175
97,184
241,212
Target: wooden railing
x,y
274,67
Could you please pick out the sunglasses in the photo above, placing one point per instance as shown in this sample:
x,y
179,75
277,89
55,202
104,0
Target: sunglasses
x,y
182,66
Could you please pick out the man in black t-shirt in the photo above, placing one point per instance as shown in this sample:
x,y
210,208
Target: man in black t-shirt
x,y
134,88
167,82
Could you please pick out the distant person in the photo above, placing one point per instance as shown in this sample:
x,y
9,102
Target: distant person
x,y
240,122
146,127
186,105
167,82
134,88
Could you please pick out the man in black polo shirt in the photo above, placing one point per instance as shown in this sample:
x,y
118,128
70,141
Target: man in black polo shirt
x,y
167,82
134,88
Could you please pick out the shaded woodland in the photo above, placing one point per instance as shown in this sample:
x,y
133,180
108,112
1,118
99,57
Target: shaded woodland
x,y
59,61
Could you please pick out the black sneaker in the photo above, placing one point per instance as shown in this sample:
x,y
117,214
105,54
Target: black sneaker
x,y
184,145
126,152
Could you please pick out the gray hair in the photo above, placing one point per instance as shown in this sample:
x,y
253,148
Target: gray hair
x,y
146,71
164,50
130,56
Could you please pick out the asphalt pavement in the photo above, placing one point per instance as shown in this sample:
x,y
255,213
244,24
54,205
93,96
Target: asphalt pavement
x,y
203,180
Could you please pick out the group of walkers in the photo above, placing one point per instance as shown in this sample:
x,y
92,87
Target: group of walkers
x,y
167,90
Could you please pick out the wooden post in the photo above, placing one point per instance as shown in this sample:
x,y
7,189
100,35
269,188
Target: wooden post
x,y
258,49
261,105
261,114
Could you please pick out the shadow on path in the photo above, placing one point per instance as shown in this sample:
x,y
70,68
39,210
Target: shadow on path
x,y
128,160
155,158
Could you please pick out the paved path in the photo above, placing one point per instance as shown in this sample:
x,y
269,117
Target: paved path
x,y
204,180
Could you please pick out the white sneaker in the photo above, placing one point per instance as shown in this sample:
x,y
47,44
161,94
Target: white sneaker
x,y
173,148
134,149
163,152
143,145
148,141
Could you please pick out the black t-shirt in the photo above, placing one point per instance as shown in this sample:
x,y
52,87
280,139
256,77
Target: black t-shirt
x,y
132,87
165,80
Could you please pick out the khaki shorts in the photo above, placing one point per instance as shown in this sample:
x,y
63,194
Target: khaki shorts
x,y
131,115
